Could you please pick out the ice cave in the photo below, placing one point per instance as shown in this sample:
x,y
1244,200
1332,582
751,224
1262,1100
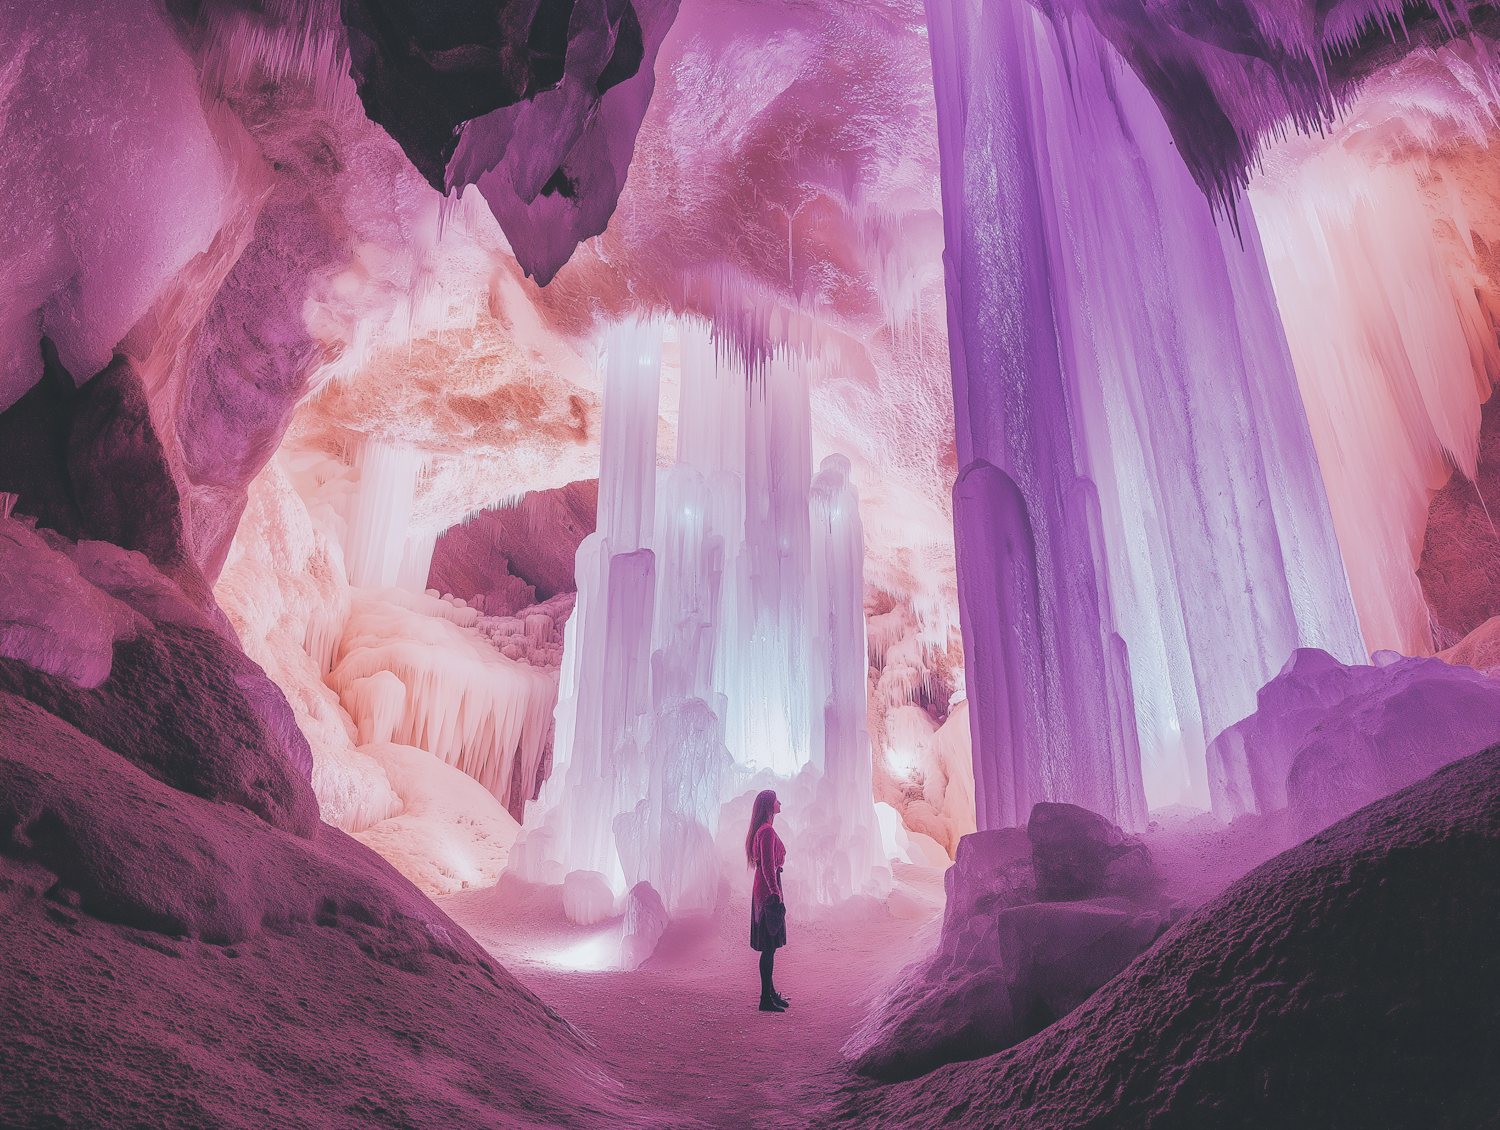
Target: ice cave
x,y
467,466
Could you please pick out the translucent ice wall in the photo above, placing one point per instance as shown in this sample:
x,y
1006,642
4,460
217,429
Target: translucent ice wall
x,y
381,550
851,847
380,512
1143,536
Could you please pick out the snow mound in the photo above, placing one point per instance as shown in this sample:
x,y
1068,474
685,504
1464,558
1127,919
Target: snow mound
x,y
451,834
1036,920
1348,982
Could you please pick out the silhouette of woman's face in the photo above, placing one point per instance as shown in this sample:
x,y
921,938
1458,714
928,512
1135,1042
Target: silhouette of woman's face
x,y
777,808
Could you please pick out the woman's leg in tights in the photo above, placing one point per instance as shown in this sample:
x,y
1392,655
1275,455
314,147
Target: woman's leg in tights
x,y
767,960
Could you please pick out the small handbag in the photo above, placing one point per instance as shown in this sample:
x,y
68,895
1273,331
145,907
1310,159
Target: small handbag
x,y
773,917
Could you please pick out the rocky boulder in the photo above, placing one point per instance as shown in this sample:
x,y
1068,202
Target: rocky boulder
x,y
1350,983
1037,919
1078,854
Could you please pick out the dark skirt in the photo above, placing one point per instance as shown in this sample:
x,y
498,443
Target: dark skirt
x,y
768,927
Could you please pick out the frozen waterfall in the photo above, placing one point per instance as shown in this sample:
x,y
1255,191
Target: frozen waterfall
x,y
1143,535
717,647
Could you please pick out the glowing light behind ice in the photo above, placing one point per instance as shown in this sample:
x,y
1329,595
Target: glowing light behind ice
x,y
1389,307
596,772
376,544
1142,533
725,640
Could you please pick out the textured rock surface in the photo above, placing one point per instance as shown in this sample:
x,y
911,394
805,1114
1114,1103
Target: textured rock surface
x,y
1460,569
110,178
1479,649
52,618
533,543
252,356
87,463
1026,938
98,637
157,944
173,705
549,95
552,168
1077,854
1350,982
425,67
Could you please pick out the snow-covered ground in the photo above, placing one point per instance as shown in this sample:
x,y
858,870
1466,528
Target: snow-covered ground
x,y
684,1032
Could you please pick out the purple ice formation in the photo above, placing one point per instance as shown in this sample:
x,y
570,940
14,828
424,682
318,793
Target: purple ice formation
x,y
1327,738
1142,531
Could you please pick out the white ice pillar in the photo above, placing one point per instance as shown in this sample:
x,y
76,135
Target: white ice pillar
x,y
604,705
839,668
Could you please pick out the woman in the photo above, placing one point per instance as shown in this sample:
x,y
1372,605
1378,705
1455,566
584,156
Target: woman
x,y
765,852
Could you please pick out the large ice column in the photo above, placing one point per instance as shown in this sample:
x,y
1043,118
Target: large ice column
x,y
711,439
1142,533
745,585
416,561
769,722
850,847
604,702
667,840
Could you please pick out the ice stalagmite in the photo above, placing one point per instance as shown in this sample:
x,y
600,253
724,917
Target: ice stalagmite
x,y
667,839
770,719
742,577
851,846
604,697
1142,532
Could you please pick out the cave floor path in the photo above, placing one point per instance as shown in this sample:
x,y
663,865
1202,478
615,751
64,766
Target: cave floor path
x,y
684,1032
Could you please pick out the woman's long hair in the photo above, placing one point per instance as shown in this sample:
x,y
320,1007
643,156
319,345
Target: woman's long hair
x,y
765,808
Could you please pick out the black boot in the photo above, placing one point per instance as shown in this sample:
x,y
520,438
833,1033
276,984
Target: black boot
x,y
769,1001
781,1000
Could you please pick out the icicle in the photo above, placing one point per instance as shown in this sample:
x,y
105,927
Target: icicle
x,y
416,561
380,513
1389,320
422,680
